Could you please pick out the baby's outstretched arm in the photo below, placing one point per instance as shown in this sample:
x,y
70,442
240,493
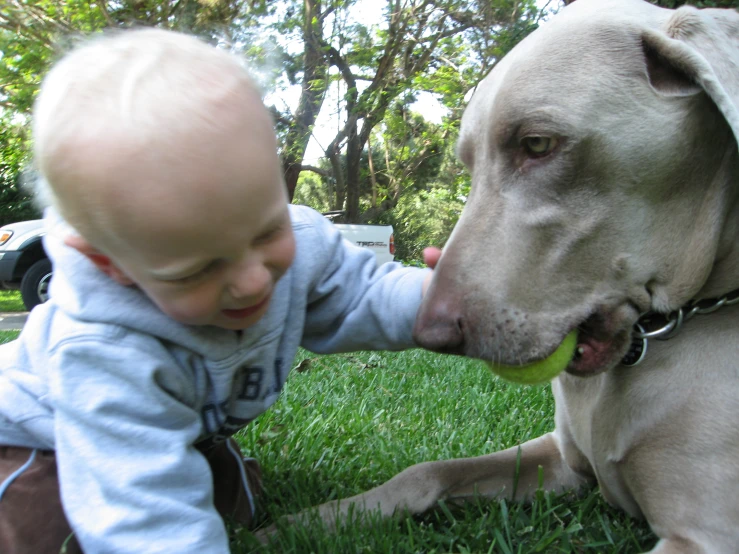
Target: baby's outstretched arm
x,y
352,303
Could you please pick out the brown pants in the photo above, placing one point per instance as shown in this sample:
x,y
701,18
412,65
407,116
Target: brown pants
x,y
32,520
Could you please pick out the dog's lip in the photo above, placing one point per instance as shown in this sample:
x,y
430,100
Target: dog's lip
x,y
603,339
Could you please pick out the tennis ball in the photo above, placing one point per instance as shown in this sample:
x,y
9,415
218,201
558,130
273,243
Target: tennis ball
x,y
542,371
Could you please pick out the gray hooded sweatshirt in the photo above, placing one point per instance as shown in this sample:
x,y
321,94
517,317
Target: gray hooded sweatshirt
x,y
122,393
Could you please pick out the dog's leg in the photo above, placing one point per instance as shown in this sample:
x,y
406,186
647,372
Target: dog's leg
x,y
513,473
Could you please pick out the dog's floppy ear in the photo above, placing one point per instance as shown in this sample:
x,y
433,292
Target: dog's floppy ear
x,y
697,50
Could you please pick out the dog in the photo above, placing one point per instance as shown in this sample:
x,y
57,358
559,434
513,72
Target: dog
x,y
605,198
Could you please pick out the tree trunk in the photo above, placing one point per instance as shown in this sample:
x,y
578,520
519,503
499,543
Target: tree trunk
x,y
334,155
315,83
353,168
373,179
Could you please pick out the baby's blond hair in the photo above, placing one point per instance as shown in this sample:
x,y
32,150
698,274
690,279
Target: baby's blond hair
x,y
128,92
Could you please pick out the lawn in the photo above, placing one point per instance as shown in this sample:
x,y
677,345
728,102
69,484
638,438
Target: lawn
x,y
349,422
346,423
10,301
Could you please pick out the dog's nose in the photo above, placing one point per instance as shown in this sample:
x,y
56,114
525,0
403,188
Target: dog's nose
x,y
439,327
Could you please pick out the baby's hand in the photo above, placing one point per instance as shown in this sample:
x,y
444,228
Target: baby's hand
x,y
431,257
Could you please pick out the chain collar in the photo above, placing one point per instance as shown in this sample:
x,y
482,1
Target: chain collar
x,y
653,325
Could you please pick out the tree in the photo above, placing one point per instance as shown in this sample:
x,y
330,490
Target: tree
x,y
33,33
379,67
15,203
376,65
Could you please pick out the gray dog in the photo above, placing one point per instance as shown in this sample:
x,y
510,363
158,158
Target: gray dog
x,y
605,194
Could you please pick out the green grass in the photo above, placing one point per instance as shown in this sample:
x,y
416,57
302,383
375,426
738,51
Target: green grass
x,y
10,301
7,336
351,422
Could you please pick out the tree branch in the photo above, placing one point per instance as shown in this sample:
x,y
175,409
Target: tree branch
x,y
318,170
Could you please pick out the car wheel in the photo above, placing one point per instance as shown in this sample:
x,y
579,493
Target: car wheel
x,y
35,284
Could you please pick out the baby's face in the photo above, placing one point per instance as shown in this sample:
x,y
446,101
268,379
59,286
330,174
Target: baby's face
x,y
218,272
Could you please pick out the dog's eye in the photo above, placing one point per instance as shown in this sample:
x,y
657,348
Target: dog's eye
x,y
538,146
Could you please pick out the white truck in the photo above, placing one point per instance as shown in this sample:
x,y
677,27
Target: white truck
x,y
378,238
24,264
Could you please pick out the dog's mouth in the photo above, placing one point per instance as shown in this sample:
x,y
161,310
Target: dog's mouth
x,y
601,344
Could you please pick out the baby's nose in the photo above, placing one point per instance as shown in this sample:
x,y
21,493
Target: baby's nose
x,y
249,281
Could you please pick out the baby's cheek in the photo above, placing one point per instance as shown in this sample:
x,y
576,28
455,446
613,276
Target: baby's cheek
x,y
194,308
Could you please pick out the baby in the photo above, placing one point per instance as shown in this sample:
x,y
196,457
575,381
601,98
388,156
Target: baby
x,y
183,285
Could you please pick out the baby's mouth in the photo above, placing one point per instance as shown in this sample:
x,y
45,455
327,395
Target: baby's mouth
x,y
246,312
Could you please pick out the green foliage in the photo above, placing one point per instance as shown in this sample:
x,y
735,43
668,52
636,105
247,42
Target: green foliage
x,y
426,217
407,156
426,183
423,219
34,33
15,202
312,192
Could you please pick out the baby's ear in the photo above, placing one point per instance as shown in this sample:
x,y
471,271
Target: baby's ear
x,y
101,261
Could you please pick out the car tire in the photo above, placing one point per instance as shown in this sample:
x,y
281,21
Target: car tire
x,y
35,284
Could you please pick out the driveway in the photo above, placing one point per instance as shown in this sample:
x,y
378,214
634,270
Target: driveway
x,y
12,320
